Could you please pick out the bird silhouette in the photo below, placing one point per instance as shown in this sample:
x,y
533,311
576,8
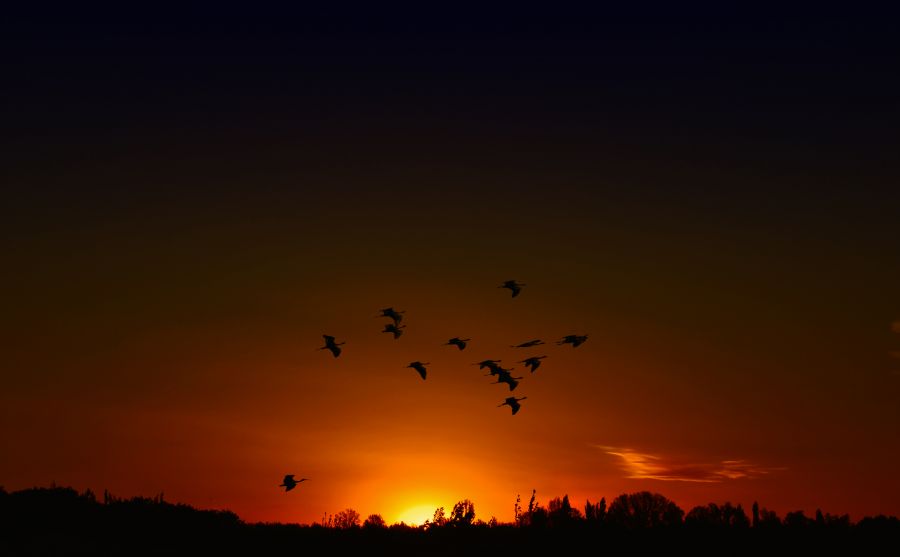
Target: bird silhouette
x,y
335,347
393,314
533,362
505,376
290,483
420,367
513,403
490,364
458,342
395,329
574,340
514,286
497,370
528,344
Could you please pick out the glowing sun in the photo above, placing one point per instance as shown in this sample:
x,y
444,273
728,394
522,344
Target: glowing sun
x,y
417,515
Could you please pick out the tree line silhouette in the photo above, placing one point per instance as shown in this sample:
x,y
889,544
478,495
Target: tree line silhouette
x,y
62,521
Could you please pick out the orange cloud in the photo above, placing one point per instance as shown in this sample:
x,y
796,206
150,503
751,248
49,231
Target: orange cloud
x,y
639,465
895,326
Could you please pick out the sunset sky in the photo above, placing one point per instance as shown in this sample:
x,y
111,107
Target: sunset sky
x,y
190,203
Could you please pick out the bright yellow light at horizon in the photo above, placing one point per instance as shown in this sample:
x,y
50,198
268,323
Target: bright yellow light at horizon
x,y
417,515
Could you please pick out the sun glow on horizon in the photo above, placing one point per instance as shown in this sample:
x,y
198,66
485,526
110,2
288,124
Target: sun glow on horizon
x,y
417,515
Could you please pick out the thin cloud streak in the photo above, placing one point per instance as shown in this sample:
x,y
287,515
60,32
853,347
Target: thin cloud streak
x,y
641,465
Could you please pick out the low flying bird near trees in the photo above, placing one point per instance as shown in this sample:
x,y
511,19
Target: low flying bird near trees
x,y
290,483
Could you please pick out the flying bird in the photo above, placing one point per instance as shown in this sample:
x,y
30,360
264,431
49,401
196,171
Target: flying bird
x,y
505,376
528,344
290,483
395,329
498,370
514,286
393,314
420,367
513,403
574,340
335,347
490,364
533,362
458,342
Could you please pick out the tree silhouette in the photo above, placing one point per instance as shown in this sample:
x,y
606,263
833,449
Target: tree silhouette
x,y
535,516
715,516
374,521
768,519
595,513
755,514
561,513
439,518
63,521
642,510
832,522
463,513
346,519
797,519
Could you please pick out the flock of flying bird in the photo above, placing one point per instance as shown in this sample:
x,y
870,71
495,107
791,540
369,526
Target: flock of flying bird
x,y
502,375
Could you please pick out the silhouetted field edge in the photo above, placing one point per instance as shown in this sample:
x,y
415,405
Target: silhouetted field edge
x,y
62,521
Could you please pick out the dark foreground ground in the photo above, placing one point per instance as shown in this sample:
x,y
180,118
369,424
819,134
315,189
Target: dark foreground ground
x,y
62,522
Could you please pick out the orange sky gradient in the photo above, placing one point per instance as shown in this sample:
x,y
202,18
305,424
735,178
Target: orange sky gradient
x,y
188,209
193,370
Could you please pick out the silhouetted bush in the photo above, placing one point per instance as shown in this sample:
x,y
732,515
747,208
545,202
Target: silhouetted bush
x,y
643,510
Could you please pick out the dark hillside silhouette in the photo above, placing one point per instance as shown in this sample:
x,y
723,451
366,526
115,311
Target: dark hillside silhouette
x,y
61,521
